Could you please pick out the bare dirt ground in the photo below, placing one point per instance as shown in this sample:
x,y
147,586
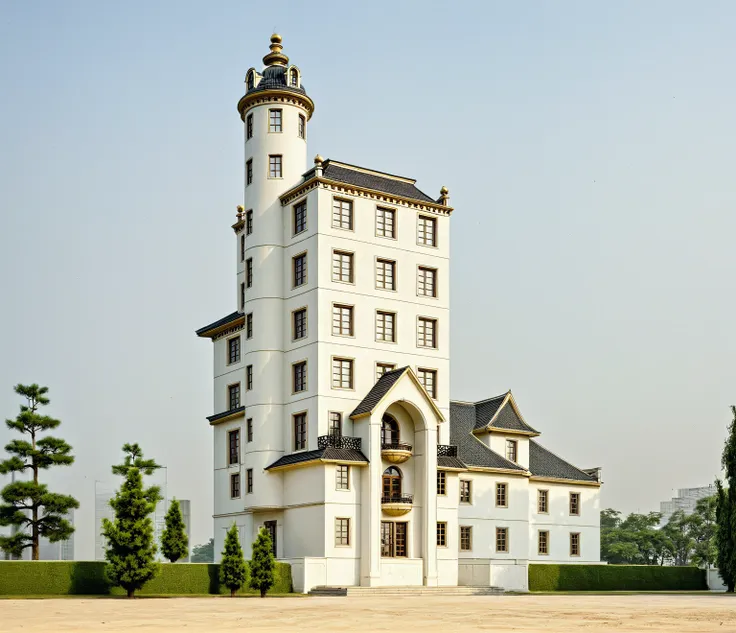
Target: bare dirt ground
x,y
683,613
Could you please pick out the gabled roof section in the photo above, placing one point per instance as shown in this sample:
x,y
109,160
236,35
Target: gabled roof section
x,y
501,414
210,330
329,454
485,410
544,463
376,180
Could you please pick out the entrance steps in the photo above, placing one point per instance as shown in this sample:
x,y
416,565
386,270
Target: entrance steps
x,y
405,591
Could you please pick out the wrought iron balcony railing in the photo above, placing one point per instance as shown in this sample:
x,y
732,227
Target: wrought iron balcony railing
x,y
446,450
405,499
396,446
338,441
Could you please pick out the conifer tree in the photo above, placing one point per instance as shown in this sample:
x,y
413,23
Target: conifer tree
x,y
174,541
262,563
726,511
27,505
131,549
232,566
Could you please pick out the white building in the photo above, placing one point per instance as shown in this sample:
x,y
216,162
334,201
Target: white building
x,y
686,500
333,425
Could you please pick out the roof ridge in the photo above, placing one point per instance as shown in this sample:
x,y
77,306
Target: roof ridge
x,y
368,170
503,395
562,459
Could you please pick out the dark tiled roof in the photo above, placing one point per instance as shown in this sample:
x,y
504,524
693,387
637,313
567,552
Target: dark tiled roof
x,y
543,463
274,78
449,462
233,316
470,449
337,454
508,419
486,409
373,181
224,414
380,389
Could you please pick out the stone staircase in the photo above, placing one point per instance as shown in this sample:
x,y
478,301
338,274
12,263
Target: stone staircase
x,y
405,591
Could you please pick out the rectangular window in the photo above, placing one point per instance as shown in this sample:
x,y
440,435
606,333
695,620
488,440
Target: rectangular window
x,y
242,297
342,214
575,503
299,371
249,127
249,325
386,327
249,222
502,540
574,543
274,166
302,126
300,323
427,282
385,222
249,272
234,396
464,491
543,542
249,476
249,431
299,265
427,332
342,532
242,248
249,377
441,534
342,373
542,501
502,496
233,350
271,529
382,368
249,172
342,266
300,431
342,320
512,450
300,217
466,538
274,120
342,477
441,482
385,274
233,440
393,539
428,378
427,231
235,485
335,424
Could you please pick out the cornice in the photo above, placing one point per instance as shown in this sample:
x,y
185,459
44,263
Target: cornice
x,y
226,416
568,482
275,96
504,471
229,331
239,226
314,462
501,431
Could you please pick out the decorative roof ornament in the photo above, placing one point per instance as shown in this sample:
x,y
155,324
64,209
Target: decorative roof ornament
x,y
276,57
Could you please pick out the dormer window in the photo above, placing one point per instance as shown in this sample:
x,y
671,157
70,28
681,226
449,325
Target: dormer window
x,y
250,80
294,78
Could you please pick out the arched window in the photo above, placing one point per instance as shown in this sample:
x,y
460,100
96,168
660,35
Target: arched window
x,y
392,482
249,80
389,430
294,77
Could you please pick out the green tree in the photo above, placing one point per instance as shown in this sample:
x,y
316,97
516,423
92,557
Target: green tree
x,y
262,563
232,566
131,549
204,553
680,540
726,510
27,505
704,532
174,541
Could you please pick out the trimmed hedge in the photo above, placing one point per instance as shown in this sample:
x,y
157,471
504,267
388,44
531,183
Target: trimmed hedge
x,y
615,578
58,578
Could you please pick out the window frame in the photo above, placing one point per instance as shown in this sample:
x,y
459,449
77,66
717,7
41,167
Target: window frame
x,y
249,172
249,430
295,207
302,127
394,223
441,483
351,364
249,127
546,501
342,526
340,479
248,326
351,259
540,535
249,273
467,483
300,436
394,326
442,534
579,544
394,267
515,444
435,374
270,121
235,479
249,481
435,281
233,434
294,285
238,352
249,222
435,227
279,162
249,378
386,366
230,391
507,542
466,538
435,331
351,319
351,215
393,545
579,500
502,493
299,369
294,313
242,246
242,296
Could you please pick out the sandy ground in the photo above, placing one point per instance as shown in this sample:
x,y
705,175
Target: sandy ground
x,y
451,614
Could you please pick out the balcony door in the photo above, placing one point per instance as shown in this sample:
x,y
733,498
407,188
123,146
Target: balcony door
x,y
392,482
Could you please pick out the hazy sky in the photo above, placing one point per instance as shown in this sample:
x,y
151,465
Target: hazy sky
x,y
589,149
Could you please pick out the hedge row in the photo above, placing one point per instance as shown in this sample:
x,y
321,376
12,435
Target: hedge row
x,y
22,578
615,578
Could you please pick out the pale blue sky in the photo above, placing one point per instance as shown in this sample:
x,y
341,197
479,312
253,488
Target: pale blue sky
x,y
588,148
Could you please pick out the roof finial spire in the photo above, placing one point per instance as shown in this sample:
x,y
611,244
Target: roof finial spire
x,y
276,57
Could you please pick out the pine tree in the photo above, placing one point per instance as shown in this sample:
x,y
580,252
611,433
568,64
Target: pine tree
x,y
131,549
232,566
174,541
28,506
726,511
262,563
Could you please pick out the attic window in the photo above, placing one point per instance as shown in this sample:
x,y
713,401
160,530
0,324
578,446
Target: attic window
x,y
294,77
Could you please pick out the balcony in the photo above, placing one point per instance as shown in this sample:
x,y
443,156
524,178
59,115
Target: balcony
x,y
338,441
396,505
396,452
446,450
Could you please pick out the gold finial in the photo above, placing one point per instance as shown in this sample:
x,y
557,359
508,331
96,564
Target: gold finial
x,y
444,190
276,57
239,213
318,160
444,195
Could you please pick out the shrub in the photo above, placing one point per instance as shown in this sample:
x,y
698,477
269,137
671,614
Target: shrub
x,y
615,578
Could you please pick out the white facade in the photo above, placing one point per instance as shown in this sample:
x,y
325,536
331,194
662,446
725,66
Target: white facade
x,y
343,271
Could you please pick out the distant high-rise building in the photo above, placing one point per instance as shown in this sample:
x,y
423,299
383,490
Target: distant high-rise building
x,y
686,500
61,550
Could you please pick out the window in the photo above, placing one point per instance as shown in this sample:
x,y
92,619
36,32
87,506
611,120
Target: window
x,y
299,371
512,450
249,377
342,532
302,126
249,81
428,378
235,485
242,296
441,482
427,282
385,274
342,266
274,120
271,529
249,431
300,431
249,222
300,323
389,430
575,503
234,396
249,172
233,347
385,222
543,542
502,539
342,477
342,373
391,483
233,441
441,534
466,538
300,217
249,272
249,480
574,543
382,368
386,327
427,333
542,501
427,231
249,127
393,539
249,325
274,166
242,248
342,214
335,424
464,491
502,496
299,265
294,78
342,320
